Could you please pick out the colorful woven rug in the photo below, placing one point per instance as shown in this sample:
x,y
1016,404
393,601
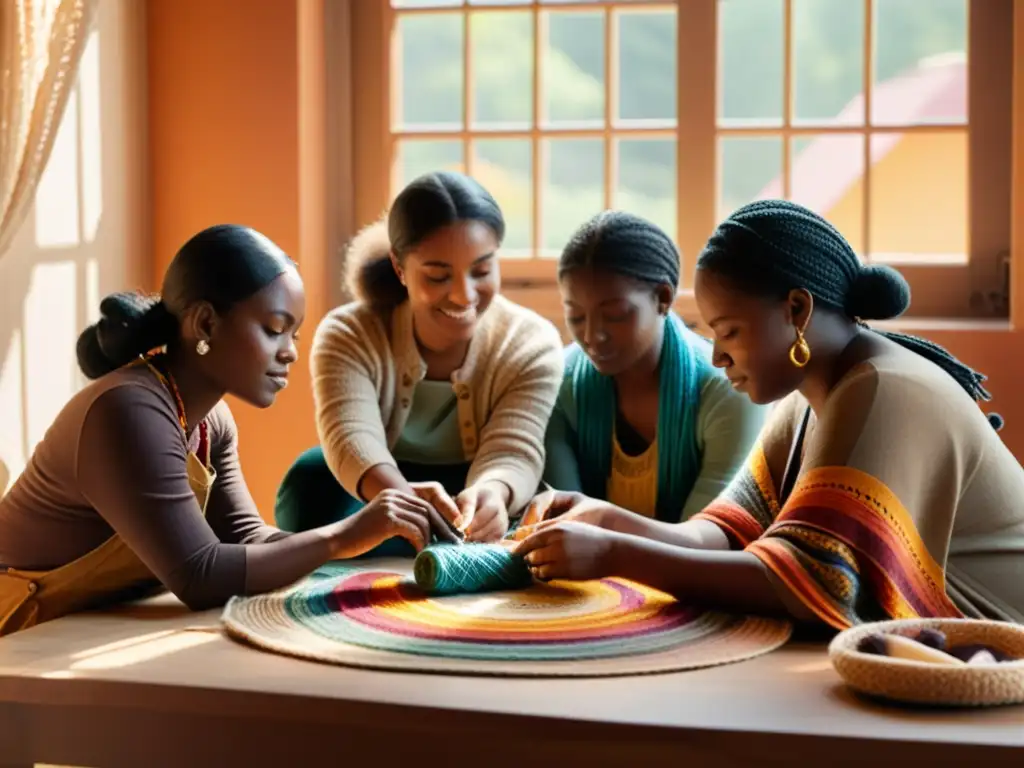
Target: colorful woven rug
x,y
370,614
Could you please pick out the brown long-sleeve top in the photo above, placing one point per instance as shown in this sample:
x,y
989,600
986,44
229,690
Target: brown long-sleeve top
x,y
114,462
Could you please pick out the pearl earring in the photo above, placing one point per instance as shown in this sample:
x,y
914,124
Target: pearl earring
x,y
202,347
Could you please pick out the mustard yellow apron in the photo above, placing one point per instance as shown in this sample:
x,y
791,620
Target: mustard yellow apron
x,y
28,598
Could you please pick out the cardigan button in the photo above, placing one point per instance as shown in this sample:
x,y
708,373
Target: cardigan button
x,y
32,587
464,394
405,402
407,380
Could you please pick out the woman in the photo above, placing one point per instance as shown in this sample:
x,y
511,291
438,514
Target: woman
x,y
138,483
664,431
429,382
878,488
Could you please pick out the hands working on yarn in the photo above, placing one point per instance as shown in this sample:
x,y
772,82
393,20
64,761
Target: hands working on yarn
x,y
478,513
566,535
571,536
561,538
427,515
393,513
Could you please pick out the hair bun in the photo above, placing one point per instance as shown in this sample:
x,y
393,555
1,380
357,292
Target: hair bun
x,y
130,325
878,293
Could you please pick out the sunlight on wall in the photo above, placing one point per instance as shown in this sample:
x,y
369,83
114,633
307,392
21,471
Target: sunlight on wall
x,y
92,291
69,198
12,433
90,145
56,211
83,237
49,328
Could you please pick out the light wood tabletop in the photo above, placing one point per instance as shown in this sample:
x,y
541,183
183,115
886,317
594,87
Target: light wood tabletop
x,y
153,685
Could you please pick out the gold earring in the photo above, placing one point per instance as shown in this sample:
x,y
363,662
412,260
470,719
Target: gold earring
x,y
800,352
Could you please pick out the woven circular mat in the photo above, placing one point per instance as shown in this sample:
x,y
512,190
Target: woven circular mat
x,y
372,615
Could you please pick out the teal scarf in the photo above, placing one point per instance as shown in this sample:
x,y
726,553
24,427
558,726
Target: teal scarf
x,y
681,374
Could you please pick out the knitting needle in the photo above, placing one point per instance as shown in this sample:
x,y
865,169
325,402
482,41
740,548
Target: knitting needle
x,y
460,536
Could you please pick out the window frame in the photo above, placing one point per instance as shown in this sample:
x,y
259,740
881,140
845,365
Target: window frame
x,y
976,290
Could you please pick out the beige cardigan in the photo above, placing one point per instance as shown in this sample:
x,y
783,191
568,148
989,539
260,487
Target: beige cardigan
x,y
366,365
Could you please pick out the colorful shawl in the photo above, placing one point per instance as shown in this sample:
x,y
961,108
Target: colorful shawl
x,y
682,371
842,543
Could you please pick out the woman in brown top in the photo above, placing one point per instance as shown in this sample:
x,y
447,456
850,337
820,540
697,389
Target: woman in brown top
x,y
877,489
138,482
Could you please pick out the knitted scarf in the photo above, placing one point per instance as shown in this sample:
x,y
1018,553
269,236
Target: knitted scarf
x,y
681,372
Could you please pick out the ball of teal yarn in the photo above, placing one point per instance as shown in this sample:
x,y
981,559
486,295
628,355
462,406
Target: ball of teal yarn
x,y
452,569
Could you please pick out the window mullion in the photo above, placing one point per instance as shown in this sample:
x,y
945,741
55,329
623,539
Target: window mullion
x,y
373,144
537,158
868,89
697,150
787,97
990,132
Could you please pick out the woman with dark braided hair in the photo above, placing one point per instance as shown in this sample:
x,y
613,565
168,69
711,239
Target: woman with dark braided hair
x,y
878,488
643,418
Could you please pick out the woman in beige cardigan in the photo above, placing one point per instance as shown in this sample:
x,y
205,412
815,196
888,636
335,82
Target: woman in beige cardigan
x,y
429,382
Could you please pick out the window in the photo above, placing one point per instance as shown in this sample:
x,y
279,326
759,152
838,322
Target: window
x,y
891,118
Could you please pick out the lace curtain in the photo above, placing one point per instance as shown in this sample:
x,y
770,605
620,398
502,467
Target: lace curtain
x,y
41,44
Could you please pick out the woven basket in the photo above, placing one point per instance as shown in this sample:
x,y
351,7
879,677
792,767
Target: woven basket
x,y
918,682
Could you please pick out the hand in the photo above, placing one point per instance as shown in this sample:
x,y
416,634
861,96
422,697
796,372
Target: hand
x,y
553,506
436,496
391,513
484,516
568,550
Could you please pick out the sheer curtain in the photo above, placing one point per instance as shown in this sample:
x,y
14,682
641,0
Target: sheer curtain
x,y
41,43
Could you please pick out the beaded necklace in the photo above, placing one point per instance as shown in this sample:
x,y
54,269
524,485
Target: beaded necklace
x,y
167,380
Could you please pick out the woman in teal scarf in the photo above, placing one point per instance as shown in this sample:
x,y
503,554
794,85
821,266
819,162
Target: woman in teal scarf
x,y
643,419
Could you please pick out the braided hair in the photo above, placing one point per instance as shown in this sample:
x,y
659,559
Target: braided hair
x,y
623,244
770,247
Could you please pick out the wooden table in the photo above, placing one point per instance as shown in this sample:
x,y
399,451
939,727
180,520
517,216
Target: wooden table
x,y
153,685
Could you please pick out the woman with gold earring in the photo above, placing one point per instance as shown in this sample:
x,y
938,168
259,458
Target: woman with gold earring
x,y
800,353
877,489
138,484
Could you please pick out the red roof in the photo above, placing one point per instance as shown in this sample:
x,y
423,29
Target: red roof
x,y
934,92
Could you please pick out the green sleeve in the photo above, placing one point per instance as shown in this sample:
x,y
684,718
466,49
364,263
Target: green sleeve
x,y
728,425
561,465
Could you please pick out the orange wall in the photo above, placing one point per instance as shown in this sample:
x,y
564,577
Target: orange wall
x,y
1000,356
234,107
224,121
